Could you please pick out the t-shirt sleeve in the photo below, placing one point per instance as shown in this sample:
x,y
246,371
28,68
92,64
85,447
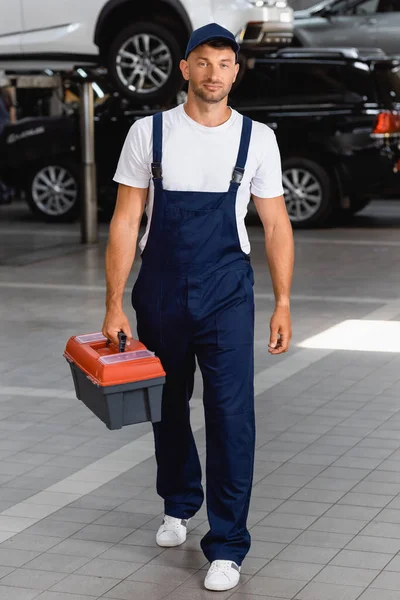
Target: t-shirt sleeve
x,y
133,167
267,181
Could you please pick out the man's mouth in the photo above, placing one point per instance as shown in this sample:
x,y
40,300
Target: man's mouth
x,y
212,87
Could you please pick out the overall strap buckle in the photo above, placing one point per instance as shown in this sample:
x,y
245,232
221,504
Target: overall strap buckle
x,y
156,170
237,175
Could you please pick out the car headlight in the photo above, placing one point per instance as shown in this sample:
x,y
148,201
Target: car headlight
x,y
285,17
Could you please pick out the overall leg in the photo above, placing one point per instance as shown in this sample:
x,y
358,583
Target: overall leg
x,y
179,470
178,464
227,366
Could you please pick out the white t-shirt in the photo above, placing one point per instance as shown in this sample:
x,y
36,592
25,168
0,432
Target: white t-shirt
x,y
200,158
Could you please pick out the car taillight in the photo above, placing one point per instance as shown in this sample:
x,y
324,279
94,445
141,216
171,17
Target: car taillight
x,y
387,123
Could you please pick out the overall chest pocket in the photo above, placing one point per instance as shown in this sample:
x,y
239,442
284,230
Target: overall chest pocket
x,y
192,236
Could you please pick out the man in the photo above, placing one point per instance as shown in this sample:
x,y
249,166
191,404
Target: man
x,y
194,294
8,114
7,102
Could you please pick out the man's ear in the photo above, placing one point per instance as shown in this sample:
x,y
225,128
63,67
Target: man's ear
x,y
184,67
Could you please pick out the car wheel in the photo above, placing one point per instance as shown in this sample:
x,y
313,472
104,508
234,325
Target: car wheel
x,y
52,191
143,63
308,190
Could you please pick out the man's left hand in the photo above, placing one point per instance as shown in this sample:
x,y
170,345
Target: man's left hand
x,y
281,331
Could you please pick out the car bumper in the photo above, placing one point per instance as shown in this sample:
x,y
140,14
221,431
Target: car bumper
x,y
374,174
267,26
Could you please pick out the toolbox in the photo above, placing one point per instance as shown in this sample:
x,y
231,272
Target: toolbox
x,y
120,388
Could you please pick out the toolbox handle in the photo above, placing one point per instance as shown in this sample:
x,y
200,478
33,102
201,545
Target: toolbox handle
x,y
122,341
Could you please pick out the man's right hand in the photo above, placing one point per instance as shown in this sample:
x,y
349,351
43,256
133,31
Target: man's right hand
x,y
114,322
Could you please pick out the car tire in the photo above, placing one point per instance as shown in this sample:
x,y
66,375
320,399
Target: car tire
x,y
309,192
52,190
150,87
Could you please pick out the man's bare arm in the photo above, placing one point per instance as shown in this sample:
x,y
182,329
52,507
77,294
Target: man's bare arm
x,y
280,254
120,254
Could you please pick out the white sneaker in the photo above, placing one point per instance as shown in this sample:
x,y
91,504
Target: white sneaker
x,y
222,575
172,532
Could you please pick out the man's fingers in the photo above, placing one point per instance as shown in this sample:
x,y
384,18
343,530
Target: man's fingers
x,y
281,345
112,335
273,338
111,330
285,341
127,331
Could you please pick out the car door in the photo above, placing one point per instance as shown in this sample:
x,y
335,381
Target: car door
x,y
10,26
65,27
343,23
388,26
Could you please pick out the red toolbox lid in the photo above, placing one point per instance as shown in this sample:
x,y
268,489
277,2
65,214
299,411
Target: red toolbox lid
x,y
106,366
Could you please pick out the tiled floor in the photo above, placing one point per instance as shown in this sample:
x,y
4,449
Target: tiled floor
x,y
78,508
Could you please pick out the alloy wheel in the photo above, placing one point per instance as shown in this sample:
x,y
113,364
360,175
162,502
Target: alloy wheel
x,y
144,63
303,193
54,190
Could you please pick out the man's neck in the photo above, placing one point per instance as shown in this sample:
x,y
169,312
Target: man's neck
x,y
209,115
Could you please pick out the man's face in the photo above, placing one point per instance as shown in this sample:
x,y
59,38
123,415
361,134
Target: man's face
x,y
210,72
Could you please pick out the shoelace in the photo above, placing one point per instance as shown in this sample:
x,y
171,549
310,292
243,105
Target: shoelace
x,y
172,523
221,565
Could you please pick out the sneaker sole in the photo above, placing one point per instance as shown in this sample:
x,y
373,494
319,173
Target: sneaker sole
x,y
220,588
171,544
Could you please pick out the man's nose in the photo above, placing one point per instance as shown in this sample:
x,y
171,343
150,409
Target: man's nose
x,y
213,73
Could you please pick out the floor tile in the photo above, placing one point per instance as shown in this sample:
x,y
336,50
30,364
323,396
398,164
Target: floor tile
x,y
127,590
290,570
80,548
116,569
138,554
346,575
387,581
16,558
362,560
326,591
374,593
102,533
57,562
309,554
23,541
280,588
84,584
161,574
29,578
17,593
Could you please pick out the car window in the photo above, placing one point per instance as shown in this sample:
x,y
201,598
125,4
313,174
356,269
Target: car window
x,y
366,7
389,6
339,8
258,86
309,83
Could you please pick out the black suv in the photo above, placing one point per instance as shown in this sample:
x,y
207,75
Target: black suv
x,y
334,112
335,116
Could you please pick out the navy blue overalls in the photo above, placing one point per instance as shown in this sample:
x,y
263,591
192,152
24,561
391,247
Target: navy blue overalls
x,y
194,299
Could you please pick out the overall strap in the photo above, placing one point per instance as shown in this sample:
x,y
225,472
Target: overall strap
x,y
156,167
241,160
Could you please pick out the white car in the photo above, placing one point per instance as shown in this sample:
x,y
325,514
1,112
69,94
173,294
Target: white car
x,y
140,41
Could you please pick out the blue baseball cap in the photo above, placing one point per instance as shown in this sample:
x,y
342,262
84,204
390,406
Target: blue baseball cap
x,y
209,32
